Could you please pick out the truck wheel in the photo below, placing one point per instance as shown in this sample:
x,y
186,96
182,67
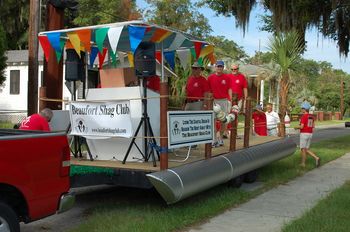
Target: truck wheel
x,y
236,182
251,176
8,219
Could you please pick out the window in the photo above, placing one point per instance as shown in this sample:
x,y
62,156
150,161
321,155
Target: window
x,y
14,81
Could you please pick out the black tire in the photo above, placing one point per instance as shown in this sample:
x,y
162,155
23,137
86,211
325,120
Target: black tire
x,y
251,176
347,124
236,182
8,218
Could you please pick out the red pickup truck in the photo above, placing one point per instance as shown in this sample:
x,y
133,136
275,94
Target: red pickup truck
x,y
34,176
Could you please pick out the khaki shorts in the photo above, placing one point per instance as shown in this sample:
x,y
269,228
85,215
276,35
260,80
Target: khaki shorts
x,y
224,104
305,140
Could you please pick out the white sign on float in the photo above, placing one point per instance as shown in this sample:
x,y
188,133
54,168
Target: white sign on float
x,y
186,128
101,119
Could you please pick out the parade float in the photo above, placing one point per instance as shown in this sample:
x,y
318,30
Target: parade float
x,y
130,136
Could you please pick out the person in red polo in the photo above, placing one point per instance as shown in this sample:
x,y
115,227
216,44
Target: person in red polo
x,y
259,119
239,86
196,88
307,123
220,86
38,121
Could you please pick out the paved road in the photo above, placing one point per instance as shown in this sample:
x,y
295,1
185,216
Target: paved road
x,y
87,198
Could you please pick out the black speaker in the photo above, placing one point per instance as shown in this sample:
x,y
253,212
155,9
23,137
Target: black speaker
x,y
75,70
92,79
145,59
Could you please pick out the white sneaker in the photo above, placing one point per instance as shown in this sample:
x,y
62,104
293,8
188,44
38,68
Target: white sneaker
x,y
215,144
221,142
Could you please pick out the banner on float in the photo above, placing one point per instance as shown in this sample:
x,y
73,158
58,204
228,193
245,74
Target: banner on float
x,y
101,119
186,128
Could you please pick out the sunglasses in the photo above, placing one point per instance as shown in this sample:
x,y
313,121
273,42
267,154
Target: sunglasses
x,y
234,69
219,66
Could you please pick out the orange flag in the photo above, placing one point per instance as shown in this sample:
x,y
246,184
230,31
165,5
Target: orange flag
x,y
85,38
159,35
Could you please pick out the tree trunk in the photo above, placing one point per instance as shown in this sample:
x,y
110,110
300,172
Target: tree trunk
x,y
283,93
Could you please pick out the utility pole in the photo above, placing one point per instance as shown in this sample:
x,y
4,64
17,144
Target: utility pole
x,y
34,19
341,97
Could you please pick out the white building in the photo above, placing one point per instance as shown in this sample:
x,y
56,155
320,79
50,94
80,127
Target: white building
x,y
14,91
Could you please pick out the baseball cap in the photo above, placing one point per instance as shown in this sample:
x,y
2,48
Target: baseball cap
x,y
197,65
258,107
305,105
220,63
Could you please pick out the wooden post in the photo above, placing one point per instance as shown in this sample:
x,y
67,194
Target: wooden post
x,y
233,134
247,122
53,71
32,97
163,125
208,105
42,94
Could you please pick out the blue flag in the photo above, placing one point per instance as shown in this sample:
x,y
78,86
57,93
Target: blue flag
x,y
170,58
54,39
136,35
93,54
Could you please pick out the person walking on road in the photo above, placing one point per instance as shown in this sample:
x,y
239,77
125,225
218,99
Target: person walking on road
x,y
272,121
307,123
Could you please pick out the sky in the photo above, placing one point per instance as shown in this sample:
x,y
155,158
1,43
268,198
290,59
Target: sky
x,y
318,48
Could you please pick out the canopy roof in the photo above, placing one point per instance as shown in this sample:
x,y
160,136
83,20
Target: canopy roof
x,y
124,40
124,37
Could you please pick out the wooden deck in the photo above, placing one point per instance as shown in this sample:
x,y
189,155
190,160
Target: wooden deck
x,y
176,156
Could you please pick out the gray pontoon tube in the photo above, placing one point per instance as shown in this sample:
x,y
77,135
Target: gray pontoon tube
x,y
178,183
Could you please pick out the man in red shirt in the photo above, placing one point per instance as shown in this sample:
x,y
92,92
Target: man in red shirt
x,y
307,123
259,119
239,86
220,86
38,121
196,88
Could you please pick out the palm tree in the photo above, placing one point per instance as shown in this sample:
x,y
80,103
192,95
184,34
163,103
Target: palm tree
x,y
286,49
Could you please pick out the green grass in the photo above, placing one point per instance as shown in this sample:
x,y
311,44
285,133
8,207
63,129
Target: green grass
x,y
330,214
6,125
137,210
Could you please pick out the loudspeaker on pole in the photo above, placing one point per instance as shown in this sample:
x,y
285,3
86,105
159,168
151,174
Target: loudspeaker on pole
x,y
75,70
145,60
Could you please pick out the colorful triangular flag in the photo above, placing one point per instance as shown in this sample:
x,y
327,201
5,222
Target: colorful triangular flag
x,y
75,40
59,53
177,42
93,54
136,35
159,35
45,44
206,50
100,35
54,38
113,37
198,48
101,58
184,56
170,58
131,59
85,38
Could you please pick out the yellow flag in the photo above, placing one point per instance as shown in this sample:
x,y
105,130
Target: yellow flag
x,y
75,40
206,50
131,59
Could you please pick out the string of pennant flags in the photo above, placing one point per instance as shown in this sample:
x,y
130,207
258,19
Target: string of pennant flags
x,y
94,42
